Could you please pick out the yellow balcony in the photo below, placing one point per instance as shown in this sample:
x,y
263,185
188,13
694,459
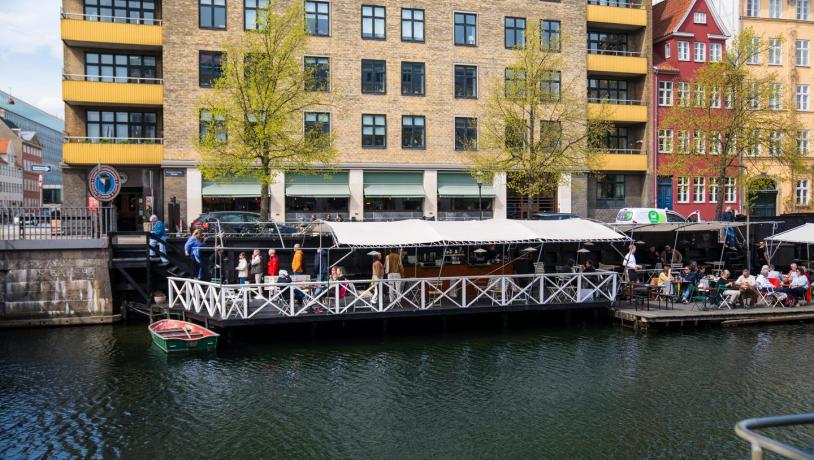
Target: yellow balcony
x,y
618,112
77,32
100,93
630,17
611,162
112,154
609,63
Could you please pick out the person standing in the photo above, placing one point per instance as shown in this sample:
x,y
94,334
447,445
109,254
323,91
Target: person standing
x,y
242,269
159,239
192,249
760,258
296,262
321,265
629,264
273,266
395,270
257,267
729,216
377,269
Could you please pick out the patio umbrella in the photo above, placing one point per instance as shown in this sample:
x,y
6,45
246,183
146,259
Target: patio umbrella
x,y
480,251
374,253
582,251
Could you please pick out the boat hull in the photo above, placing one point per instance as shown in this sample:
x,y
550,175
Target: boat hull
x,y
173,336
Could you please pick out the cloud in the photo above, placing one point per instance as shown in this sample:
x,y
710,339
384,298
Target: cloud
x,y
29,28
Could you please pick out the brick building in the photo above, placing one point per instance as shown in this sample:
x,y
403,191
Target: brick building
x,y
686,35
134,76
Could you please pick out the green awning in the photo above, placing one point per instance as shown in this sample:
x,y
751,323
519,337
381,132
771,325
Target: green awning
x,y
394,185
236,189
458,185
317,186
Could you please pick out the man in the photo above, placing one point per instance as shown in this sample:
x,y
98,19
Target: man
x,y
296,262
159,239
763,285
725,285
395,270
760,255
321,265
746,286
729,216
283,279
629,264
671,256
273,265
688,280
192,249
653,255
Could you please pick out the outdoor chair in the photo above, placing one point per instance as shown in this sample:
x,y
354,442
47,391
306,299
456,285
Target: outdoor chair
x,y
700,298
665,294
770,298
364,299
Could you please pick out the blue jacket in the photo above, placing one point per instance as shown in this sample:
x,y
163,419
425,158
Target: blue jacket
x,y
192,246
159,230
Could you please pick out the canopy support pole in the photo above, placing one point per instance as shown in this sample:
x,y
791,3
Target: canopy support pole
x,y
341,258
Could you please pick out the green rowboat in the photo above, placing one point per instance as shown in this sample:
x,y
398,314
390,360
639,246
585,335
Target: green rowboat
x,y
176,336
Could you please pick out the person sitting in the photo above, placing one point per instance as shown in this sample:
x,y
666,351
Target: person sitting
x,y
588,267
793,273
688,280
765,286
666,281
746,286
797,288
283,279
725,287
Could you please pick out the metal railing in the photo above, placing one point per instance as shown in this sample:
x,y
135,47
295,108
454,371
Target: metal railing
x,y
615,3
615,101
112,140
620,151
56,223
308,298
760,443
615,52
111,79
105,18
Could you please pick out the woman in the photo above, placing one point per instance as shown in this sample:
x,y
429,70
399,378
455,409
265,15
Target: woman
x,y
378,267
273,267
666,281
242,269
257,267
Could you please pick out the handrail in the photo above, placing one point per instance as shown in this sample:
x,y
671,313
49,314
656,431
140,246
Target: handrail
x,y
113,79
114,19
615,52
615,101
745,429
112,140
620,151
616,3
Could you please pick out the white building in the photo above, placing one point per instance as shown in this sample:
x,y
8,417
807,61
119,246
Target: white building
x,y
11,176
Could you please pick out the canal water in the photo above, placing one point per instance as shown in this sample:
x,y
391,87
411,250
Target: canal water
x,y
545,392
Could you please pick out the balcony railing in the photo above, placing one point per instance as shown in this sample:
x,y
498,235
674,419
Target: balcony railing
x,y
615,3
113,140
619,151
614,101
112,79
115,19
615,52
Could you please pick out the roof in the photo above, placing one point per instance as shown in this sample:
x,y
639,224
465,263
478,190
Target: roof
x,y
666,68
669,15
415,232
4,146
803,234
29,137
26,110
675,226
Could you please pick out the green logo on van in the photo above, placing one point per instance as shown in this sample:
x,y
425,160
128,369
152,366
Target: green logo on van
x,y
653,216
628,215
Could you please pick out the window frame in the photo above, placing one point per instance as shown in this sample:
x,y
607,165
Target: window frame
x,y
464,147
731,190
412,83
384,75
806,13
317,88
455,81
683,53
114,66
802,53
802,189
775,9
466,26
212,54
683,185
94,12
699,52
256,8
802,96
225,7
305,122
514,30
317,15
412,22
547,35
412,127
373,19
665,93
699,185
116,123
717,55
374,126
752,8
774,51
665,140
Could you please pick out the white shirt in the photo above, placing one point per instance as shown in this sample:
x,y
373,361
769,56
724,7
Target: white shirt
x,y
763,282
800,281
629,261
750,280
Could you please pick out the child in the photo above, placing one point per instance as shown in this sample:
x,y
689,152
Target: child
x,y
242,269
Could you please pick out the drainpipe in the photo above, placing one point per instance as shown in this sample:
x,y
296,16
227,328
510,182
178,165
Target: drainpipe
x,y
654,150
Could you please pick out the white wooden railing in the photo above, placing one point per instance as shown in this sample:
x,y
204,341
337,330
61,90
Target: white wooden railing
x,y
246,301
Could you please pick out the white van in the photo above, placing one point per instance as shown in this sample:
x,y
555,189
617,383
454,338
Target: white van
x,y
648,216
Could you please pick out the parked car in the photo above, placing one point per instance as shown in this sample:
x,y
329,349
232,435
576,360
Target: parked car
x,y
241,222
553,216
648,216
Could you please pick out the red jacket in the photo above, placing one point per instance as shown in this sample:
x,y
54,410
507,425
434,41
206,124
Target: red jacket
x,y
273,266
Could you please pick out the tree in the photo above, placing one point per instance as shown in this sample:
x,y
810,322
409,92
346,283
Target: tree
x,y
535,127
252,120
733,117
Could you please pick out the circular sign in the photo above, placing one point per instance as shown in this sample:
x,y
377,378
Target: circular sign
x,y
104,183
653,216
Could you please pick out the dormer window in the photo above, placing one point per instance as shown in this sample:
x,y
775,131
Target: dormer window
x,y
699,18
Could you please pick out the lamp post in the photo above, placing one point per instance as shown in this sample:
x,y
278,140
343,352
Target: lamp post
x,y
480,198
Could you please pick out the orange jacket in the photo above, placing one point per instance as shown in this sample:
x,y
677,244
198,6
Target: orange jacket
x,y
296,263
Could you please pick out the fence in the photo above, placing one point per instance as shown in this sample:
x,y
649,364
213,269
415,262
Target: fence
x,y
300,299
56,223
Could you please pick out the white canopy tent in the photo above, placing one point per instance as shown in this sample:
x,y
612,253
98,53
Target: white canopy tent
x,y
803,234
493,231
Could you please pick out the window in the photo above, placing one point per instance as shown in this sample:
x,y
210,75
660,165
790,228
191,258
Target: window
x,y
683,94
466,81
730,190
412,78
699,189
753,8
700,95
316,18
801,191
514,83
373,22
413,134
550,134
683,141
466,133
775,9
466,29
253,11
602,90
714,189
699,18
607,42
700,51
209,68
610,190
700,141
716,51
514,31
412,25
667,51
802,10
801,47
120,68
802,142
715,97
754,97
131,12
550,35
754,147
550,86
121,125
683,189
775,143
374,131
754,58
774,51
665,93
374,77
317,73
212,14
776,96
665,141
317,125
616,139
683,51
802,98
217,123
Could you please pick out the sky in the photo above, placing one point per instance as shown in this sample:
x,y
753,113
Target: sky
x,y
31,53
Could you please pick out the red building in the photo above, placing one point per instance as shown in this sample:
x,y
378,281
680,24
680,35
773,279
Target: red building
x,y
32,181
686,35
